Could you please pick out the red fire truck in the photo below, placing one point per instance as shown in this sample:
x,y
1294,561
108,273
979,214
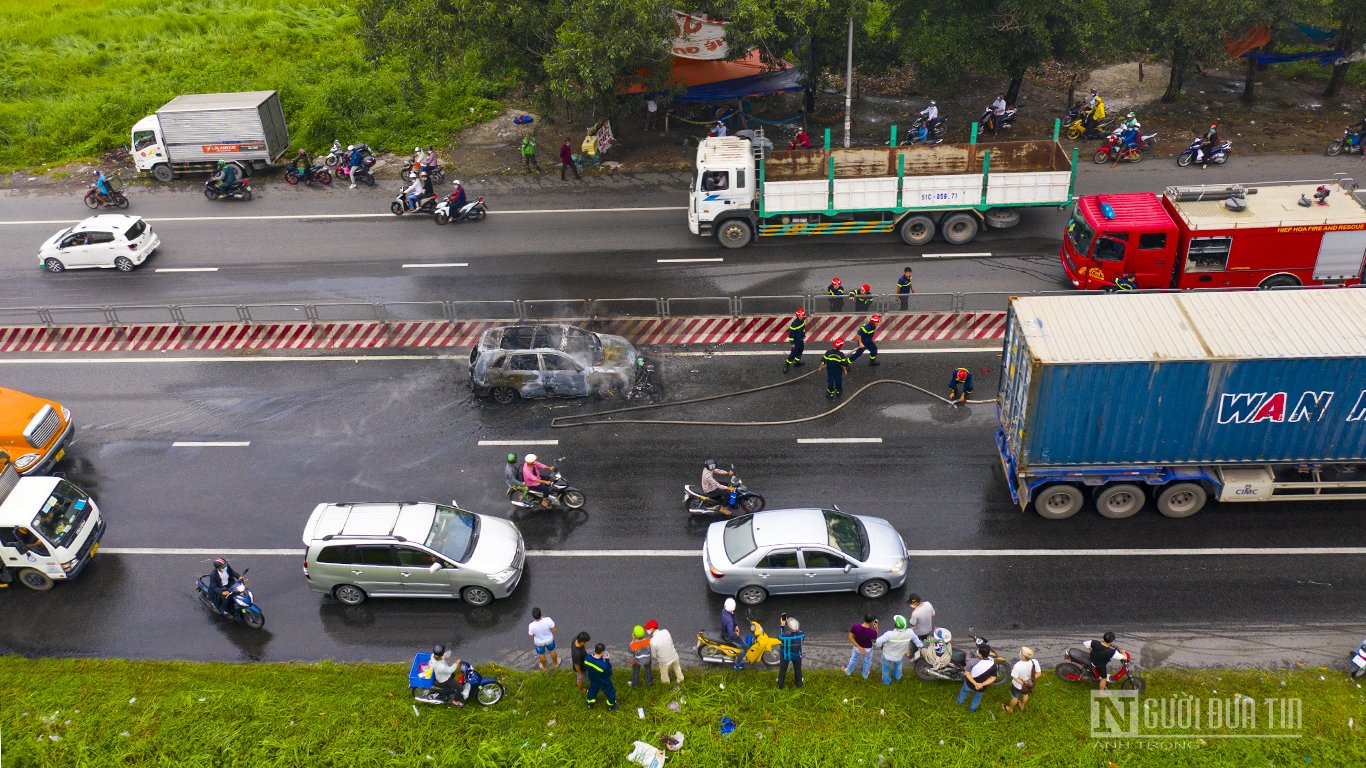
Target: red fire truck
x,y
1236,236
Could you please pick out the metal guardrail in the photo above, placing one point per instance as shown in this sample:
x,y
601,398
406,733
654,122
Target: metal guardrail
x,y
512,311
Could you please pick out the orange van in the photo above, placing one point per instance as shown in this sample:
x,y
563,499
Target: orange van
x,y
33,431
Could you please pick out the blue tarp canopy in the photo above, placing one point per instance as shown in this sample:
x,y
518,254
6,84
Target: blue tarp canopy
x,y
779,81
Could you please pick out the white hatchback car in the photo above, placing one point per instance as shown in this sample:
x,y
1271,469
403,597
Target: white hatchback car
x,y
108,241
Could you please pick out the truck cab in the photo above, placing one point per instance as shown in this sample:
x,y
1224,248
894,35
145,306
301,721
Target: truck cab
x,y
49,528
148,148
1110,236
723,186
33,430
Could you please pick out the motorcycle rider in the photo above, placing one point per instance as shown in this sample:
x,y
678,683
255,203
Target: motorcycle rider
x,y
427,190
1357,131
1130,132
714,489
450,674
220,579
1102,651
513,473
225,177
1095,111
536,484
1207,144
429,161
998,110
930,113
801,140
414,192
730,632
102,190
303,162
355,160
459,201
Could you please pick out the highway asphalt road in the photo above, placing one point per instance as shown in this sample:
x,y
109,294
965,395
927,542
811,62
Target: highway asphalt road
x,y
406,428
603,238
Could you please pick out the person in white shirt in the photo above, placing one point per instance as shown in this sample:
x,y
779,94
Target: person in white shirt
x,y
445,670
896,646
663,652
542,632
977,676
1022,677
930,113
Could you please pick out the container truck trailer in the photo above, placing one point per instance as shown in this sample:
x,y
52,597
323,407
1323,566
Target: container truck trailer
x,y
1181,398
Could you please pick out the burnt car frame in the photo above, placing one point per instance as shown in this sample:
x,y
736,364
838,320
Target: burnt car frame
x,y
550,360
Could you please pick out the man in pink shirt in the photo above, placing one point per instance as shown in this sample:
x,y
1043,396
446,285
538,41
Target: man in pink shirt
x,y
531,477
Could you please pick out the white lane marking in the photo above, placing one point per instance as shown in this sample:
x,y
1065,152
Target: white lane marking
x,y
1209,552
995,347
186,269
302,216
519,442
984,254
210,444
686,261
825,440
434,266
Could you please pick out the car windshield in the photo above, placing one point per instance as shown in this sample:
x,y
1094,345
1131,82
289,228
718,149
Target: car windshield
x,y
738,538
847,533
62,514
1080,233
454,533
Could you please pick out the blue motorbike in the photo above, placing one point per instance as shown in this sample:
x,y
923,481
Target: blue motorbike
x,y
241,604
485,690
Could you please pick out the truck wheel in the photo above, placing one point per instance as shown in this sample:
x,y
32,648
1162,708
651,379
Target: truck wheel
x,y
960,228
916,230
1003,218
1279,281
1120,501
1181,500
1059,502
162,172
735,233
35,580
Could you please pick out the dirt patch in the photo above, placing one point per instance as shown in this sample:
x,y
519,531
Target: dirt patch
x,y
1125,85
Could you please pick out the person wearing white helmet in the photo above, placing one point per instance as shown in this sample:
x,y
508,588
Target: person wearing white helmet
x,y
459,197
790,635
730,632
896,646
534,480
930,113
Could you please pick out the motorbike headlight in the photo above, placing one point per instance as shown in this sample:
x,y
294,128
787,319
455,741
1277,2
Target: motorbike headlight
x,y
26,461
503,575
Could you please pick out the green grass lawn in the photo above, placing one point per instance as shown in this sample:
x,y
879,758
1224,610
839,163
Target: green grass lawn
x,y
76,74
75,712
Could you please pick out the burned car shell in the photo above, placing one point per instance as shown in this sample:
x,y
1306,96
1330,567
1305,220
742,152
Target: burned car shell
x,y
550,360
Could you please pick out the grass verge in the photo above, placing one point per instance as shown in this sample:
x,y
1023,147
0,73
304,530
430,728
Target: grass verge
x,y
77,75
76,712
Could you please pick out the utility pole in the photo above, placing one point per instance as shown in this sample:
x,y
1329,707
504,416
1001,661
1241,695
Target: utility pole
x,y
849,84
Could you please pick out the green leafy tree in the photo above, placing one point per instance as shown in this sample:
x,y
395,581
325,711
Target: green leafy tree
x,y
1350,16
1190,30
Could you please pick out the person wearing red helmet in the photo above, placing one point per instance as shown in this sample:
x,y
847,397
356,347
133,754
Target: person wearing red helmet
x,y
837,294
865,341
960,386
836,364
863,298
1208,143
796,334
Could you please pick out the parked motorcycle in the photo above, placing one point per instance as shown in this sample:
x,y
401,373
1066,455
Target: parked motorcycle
x,y
335,156
475,211
1351,143
742,499
1076,668
1075,121
239,190
939,661
990,122
362,174
1218,154
1357,663
318,173
560,493
240,601
414,164
761,648
116,199
1114,148
485,690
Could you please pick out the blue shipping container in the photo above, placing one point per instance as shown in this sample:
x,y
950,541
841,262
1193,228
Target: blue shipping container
x,y
1178,379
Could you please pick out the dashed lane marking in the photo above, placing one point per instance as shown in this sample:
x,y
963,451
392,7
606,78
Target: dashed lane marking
x,y
981,255
436,266
186,269
830,440
598,553
686,261
211,444
519,442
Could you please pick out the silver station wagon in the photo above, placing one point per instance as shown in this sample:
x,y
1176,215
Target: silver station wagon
x,y
787,551
392,549
550,360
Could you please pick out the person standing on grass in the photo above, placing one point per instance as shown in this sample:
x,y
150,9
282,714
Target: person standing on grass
x,y
790,635
663,652
980,673
542,632
578,652
598,667
922,617
862,636
1022,678
896,646
640,657
904,288
567,160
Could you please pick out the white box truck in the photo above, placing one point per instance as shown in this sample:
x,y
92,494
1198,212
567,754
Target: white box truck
x,y
192,133
915,191
49,528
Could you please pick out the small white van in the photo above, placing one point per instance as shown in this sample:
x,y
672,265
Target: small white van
x,y
49,528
